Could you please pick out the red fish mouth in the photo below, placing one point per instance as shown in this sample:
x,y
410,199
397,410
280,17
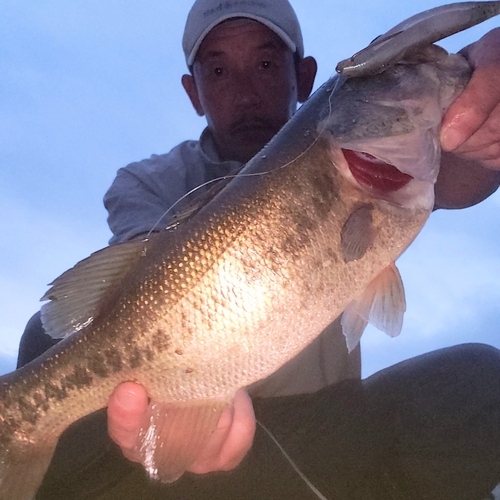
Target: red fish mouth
x,y
375,173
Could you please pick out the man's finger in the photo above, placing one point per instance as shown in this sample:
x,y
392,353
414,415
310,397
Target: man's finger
x,y
127,409
241,434
231,440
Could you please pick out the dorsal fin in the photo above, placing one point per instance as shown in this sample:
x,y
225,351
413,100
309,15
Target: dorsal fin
x,y
382,304
76,296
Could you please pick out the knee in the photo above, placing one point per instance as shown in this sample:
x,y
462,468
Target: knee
x,y
477,362
478,353
34,341
471,362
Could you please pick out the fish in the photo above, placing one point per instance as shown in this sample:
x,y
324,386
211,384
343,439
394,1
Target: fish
x,y
308,230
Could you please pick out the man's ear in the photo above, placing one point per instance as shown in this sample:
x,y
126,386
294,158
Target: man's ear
x,y
306,72
192,91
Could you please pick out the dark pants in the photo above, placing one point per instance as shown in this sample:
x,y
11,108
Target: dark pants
x,y
426,428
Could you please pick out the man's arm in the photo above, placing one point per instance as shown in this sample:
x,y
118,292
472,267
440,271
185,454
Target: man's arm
x,y
463,182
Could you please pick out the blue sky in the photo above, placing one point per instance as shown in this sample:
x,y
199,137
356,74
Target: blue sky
x,y
89,86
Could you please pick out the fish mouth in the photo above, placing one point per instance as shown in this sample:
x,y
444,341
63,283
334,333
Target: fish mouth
x,y
374,173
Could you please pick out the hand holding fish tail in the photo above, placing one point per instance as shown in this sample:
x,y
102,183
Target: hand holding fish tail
x,y
471,126
230,442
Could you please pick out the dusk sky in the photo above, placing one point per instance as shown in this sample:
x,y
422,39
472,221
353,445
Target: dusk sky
x,y
89,86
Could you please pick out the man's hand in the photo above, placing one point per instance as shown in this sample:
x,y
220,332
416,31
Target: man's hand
x,y
227,447
471,126
470,132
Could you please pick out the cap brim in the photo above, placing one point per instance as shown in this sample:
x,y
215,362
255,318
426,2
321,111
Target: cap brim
x,y
276,29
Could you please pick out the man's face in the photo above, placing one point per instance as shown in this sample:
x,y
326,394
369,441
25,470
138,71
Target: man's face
x,y
245,83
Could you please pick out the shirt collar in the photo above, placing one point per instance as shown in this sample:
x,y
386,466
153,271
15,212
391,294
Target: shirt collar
x,y
218,167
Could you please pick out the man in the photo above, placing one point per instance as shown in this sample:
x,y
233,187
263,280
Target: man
x,y
247,73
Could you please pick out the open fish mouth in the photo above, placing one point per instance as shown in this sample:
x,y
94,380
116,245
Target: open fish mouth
x,y
375,173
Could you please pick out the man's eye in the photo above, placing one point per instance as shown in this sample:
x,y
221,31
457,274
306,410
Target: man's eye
x,y
265,64
218,71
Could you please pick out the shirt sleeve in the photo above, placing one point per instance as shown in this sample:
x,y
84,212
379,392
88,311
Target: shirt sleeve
x,y
133,207
144,194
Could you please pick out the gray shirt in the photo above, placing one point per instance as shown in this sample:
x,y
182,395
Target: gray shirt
x,y
143,198
143,195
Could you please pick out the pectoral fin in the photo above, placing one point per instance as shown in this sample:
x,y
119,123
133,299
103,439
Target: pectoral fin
x,y
358,233
176,434
382,304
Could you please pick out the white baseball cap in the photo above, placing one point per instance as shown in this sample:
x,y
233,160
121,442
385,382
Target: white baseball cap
x,y
277,15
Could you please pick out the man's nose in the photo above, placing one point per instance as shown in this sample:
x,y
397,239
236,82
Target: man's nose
x,y
247,91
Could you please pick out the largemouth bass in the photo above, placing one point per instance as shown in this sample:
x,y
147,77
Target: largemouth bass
x,y
310,228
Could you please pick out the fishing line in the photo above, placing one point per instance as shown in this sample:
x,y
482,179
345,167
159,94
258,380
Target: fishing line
x,y
232,176
293,464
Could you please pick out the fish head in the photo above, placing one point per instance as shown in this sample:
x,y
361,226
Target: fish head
x,y
384,129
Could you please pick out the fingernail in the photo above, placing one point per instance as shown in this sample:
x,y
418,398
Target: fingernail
x,y
126,399
451,139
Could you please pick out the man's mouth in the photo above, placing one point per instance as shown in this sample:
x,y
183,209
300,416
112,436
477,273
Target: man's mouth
x,y
375,173
253,126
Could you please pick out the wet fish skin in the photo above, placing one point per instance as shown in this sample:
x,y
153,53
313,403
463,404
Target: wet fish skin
x,y
197,312
416,33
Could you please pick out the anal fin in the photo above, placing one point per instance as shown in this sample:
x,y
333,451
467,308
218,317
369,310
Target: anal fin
x,y
176,435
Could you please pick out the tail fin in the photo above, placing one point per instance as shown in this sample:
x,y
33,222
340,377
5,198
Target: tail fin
x,y
22,467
